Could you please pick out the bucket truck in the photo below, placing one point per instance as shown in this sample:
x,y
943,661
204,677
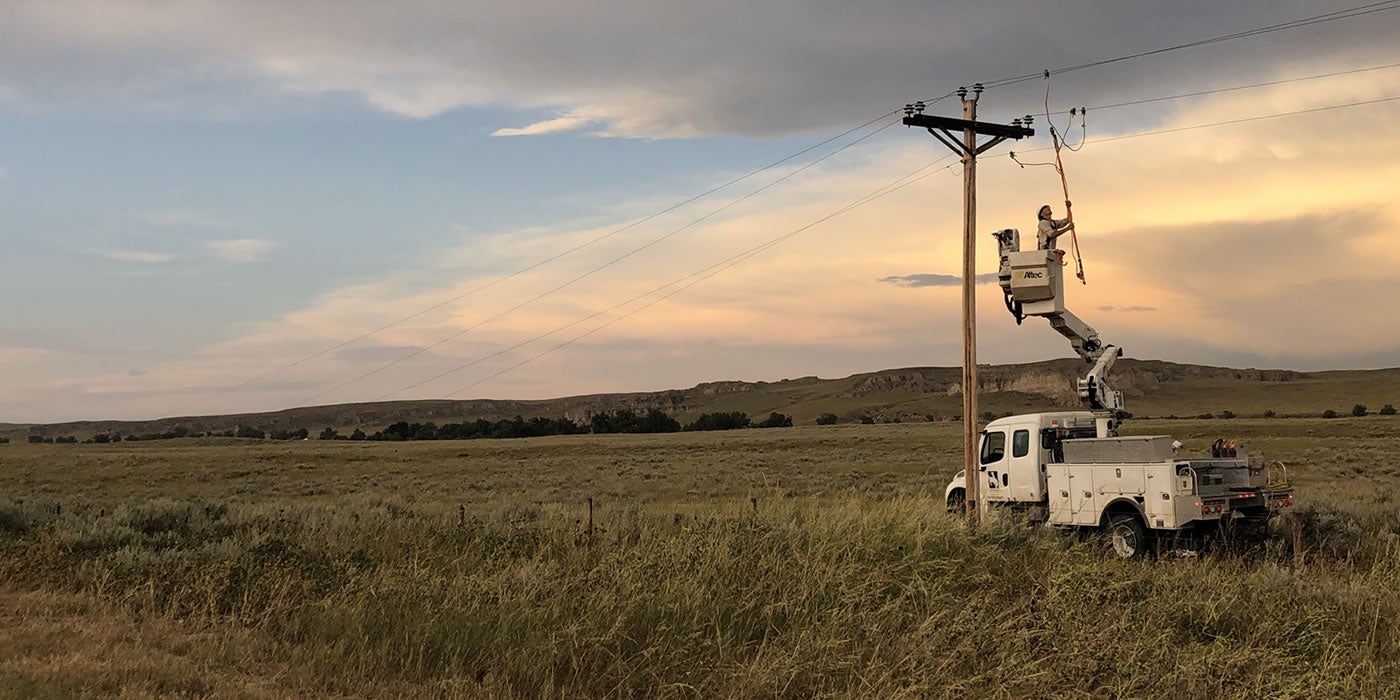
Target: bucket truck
x,y
1072,470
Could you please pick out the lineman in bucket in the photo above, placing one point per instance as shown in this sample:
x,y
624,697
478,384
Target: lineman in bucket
x,y
1048,229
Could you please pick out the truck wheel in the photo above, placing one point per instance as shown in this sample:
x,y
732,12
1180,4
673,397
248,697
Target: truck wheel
x,y
1126,535
956,501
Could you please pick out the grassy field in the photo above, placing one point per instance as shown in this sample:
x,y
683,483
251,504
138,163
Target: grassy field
x,y
794,562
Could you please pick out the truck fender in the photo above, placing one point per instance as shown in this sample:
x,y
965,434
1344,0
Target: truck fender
x,y
1122,505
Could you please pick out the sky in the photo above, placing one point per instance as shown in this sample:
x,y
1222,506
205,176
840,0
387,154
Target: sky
x,y
216,207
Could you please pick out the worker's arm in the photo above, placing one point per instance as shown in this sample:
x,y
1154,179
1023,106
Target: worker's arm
x,y
1059,227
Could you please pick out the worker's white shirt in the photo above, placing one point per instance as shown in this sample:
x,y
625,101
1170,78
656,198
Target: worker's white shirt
x,y
1048,227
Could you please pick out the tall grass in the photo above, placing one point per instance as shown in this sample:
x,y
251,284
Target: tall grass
x,y
794,598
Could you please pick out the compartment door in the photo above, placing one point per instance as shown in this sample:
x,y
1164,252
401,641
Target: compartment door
x,y
1081,495
1058,483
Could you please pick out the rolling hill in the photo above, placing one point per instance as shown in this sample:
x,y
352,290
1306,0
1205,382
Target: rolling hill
x,y
1153,388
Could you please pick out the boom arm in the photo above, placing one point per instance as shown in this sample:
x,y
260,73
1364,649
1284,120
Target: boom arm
x,y
1033,284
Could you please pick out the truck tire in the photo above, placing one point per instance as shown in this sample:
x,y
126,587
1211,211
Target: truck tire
x,y
956,501
1126,536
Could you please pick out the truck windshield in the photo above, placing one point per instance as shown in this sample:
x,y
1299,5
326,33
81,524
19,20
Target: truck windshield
x,y
993,447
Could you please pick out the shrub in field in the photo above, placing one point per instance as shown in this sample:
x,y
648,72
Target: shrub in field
x,y
1359,410
775,420
720,421
827,419
626,421
13,520
867,420
1227,414
1206,416
1329,413
1270,413
1387,410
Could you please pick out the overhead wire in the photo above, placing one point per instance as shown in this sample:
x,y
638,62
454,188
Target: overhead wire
x,y
723,264
420,350
879,193
1243,120
1064,182
532,266
1348,13
701,275
1235,88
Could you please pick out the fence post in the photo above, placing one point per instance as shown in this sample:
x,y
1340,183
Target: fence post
x,y
1297,541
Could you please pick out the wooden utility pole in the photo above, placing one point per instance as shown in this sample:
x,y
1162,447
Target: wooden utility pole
x,y
941,128
969,310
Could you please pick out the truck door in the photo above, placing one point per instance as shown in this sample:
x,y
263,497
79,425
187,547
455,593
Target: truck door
x,y
994,464
1023,476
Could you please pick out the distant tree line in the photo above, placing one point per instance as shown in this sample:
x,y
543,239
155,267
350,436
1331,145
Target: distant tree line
x,y
624,421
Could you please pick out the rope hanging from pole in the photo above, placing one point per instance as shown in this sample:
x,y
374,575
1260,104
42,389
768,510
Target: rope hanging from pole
x,y
1060,168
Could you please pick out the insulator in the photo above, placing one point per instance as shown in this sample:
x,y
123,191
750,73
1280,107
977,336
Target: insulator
x,y
919,106
978,88
962,93
908,110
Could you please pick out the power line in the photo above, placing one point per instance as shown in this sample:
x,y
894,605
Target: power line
x,y
1234,88
724,265
1349,13
1227,122
701,275
418,351
535,265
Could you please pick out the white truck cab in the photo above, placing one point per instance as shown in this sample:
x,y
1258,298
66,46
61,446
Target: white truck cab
x,y
1015,454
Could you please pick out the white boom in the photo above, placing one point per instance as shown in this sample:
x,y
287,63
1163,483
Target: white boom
x,y
1033,284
